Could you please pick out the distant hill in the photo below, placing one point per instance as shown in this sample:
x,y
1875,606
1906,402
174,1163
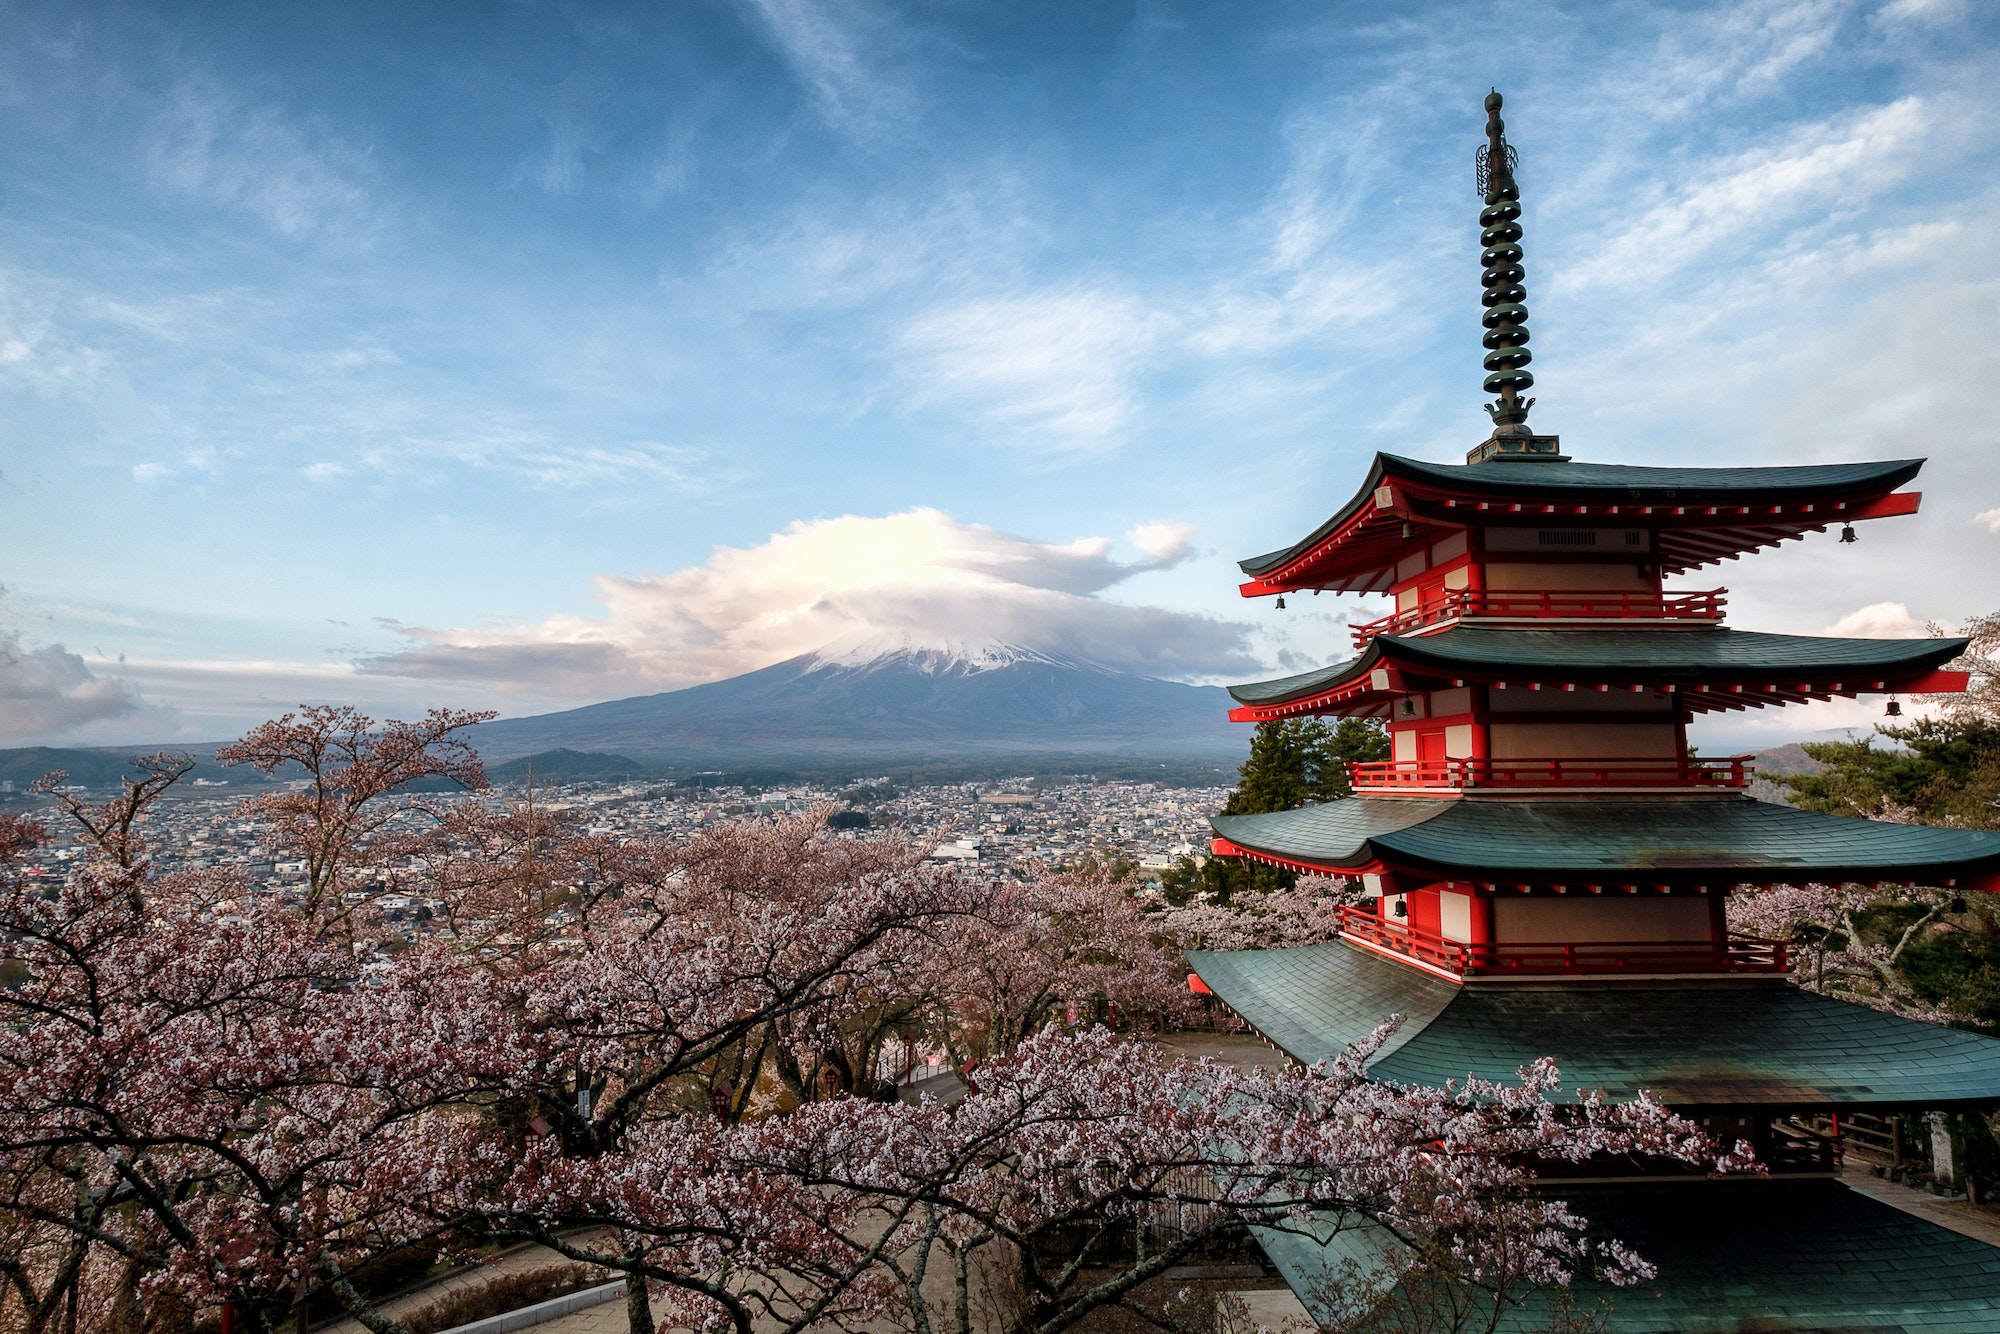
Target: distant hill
x,y
566,766
1786,759
102,767
894,703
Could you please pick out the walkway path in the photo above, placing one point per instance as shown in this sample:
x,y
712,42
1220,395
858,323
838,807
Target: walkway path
x,y
1961,1216
523,1259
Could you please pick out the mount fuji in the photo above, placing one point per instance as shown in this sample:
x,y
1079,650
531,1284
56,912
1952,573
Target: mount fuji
x,y
896,699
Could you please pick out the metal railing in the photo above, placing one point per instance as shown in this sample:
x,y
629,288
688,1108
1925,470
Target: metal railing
x,y
1565,604
1728,771
1738,954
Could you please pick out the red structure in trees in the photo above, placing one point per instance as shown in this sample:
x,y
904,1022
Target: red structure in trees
x,y
1548,865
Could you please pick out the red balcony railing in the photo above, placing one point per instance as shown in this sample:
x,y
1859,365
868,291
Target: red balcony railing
x,y
1462,604
1730,771
1739,954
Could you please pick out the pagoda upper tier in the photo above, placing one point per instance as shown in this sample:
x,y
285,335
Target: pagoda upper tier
x,y
1668,519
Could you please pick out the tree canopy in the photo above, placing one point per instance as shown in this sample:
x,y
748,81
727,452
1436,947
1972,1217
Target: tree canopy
x,y
1293,762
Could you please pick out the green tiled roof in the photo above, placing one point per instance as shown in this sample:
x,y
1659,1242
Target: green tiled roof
x,y
1709,1043
1766,1255
1610,481
1509,838
1657,486
1676,654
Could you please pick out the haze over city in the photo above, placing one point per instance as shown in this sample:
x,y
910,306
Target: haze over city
x,y
521,357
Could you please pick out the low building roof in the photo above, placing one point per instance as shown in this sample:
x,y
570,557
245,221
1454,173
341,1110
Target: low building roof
x,y
1741,1253
1699,1044
1570,840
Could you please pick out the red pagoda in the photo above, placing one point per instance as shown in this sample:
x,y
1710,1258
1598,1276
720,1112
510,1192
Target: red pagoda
x,y
1549,868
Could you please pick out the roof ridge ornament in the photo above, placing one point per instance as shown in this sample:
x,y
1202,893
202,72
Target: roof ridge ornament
x,y
1505,297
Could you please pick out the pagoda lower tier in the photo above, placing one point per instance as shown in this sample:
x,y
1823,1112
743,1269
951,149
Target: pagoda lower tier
x,y
1753,1043
1740,1253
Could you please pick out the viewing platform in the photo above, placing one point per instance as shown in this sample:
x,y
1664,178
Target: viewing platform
x,y
1739,954
1434,777
1566,605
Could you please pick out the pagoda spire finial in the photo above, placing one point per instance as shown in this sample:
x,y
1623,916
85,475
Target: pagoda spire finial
x,y
1504,297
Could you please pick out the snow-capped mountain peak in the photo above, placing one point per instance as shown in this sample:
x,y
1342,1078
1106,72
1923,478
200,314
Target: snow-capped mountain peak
x,y
933,654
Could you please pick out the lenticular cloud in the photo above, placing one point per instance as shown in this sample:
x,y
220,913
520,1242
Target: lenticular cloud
x,y
917,579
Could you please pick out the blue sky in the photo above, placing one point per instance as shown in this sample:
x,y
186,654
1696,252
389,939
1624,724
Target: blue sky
x,y
516,355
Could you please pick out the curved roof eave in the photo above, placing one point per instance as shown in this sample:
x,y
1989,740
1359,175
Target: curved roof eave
x,y
1656,655
1604,481
1569,839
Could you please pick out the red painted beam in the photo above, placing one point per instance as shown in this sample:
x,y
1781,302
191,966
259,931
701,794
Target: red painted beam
x,y
1222,847
1893,505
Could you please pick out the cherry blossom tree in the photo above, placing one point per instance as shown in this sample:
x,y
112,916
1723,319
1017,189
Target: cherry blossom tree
x,y
1057,946
348,765
112,827
224,1102
644,1054
1081,1168
1835,956
1304,913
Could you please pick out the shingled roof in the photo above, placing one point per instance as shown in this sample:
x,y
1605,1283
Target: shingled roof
x,y
1691,839
1709,1043
1771,501
1738,1254
1679,655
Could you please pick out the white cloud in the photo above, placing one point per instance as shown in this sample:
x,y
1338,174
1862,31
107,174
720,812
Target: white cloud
x,y
1879,620
1163,544
916,577
47,692
1991,518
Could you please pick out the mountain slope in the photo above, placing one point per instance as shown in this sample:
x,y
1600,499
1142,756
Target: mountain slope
x,y
896,702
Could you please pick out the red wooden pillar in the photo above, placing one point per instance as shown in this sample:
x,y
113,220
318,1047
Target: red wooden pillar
x,y
1482,919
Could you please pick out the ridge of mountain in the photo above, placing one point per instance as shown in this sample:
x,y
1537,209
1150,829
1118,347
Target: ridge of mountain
x,y
894,699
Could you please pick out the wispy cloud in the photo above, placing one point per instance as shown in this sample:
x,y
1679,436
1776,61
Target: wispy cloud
x,y
836,48
1061,363
301,180
1844,161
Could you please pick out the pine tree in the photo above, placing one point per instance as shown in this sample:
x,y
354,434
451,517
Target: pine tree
x,y
1293,762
